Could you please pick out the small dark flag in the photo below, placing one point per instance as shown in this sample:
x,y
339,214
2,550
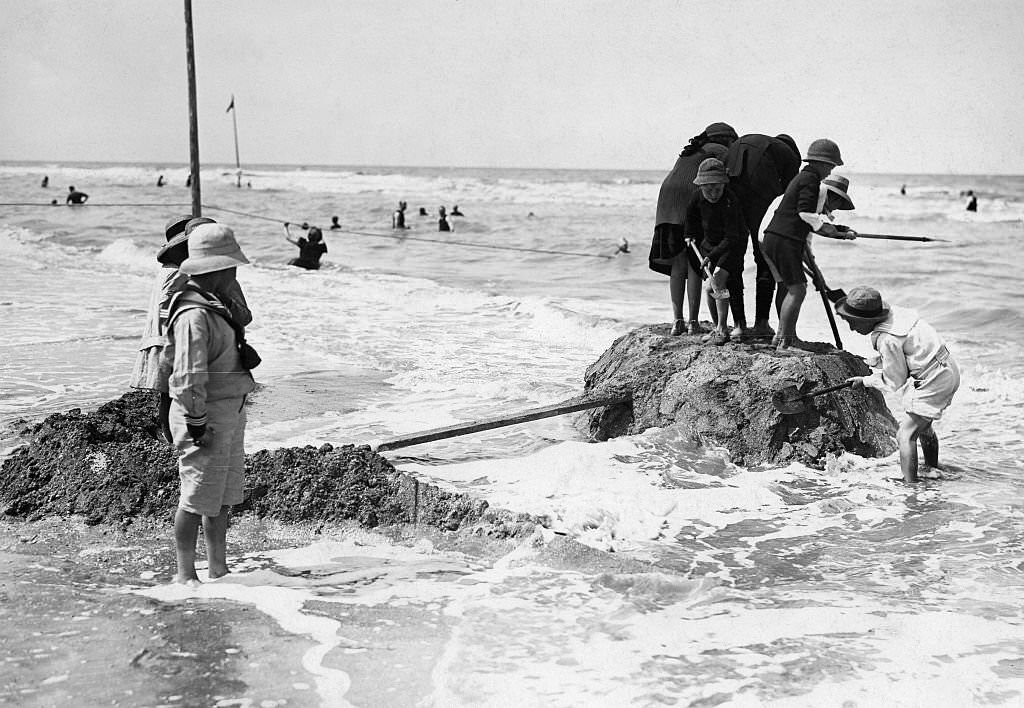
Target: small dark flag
x,y
232,106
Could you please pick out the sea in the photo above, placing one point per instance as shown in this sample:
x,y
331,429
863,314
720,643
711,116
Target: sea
x,y
785,586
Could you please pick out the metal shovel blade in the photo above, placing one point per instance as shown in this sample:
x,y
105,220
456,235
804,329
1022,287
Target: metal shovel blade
x,y
789,400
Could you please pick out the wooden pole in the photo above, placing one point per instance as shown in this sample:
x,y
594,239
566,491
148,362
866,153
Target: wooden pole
x,y
451,431
193,114
823,289
234,124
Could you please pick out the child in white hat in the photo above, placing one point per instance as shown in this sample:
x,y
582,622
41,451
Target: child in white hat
x,y
909,351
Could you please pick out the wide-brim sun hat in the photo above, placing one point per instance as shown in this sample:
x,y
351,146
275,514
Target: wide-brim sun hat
x,y
176,250
212,247
863,304
711,171
839,186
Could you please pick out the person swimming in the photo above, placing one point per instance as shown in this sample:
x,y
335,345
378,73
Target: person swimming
x,y
334,223
76,197
973,204
310,250
456,212
442,221
398,217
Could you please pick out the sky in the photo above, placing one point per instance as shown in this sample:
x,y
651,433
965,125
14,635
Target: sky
x,y
903,86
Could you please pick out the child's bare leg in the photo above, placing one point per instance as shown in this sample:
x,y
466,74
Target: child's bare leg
x,y
712,307
677,283
930,446
186,530
780,297
215,532
693,288
907,436
723,315
790,311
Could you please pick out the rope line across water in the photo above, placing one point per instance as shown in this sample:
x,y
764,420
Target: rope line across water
x,y
396,237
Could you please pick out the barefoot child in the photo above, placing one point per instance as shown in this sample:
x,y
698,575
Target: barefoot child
x,y
786,237
208,385
714,221
909,351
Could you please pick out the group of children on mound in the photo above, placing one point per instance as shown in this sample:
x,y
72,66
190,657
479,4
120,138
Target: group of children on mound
x,y
717,195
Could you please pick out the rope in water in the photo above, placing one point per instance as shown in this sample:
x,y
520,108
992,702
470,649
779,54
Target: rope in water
x,y
404,237
396,237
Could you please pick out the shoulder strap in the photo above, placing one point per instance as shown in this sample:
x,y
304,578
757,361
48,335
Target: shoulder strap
x,y
180,303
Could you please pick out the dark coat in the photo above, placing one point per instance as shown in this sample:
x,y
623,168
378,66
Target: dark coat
x,y
801,196
761,166
718,229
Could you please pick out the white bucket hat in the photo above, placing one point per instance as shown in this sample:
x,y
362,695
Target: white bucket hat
x,y
212,247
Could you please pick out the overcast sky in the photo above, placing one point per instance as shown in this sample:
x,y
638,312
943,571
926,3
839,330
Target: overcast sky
x,y
901,85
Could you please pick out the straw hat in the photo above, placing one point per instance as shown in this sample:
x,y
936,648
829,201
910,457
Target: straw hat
x,y
212,247
840,186
176,249
863,304
711,171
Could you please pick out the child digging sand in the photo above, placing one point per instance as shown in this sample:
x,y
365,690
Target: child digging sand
x,y
909,351
714,221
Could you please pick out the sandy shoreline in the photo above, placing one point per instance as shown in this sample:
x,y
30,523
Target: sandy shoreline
x,y
76,631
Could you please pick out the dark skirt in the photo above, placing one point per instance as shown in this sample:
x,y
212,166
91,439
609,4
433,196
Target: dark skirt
x,y
668,243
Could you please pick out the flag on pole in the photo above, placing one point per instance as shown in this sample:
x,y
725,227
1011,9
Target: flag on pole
x,y
232,106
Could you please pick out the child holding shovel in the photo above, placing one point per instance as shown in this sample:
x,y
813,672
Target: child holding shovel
x,y
909,352
804,208
714,221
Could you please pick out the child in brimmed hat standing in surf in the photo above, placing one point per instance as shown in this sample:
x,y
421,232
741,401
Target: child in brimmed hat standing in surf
x,y
786,236
208,385
909,351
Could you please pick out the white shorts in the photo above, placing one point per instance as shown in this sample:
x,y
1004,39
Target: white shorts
x,y
932,395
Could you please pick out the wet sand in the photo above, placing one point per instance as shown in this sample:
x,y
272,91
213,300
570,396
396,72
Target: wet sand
x,y
75,631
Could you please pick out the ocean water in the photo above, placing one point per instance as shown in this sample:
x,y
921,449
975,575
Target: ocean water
x,y
786,587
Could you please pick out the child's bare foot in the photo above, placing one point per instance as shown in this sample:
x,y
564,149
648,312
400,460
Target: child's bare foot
x,y
218,572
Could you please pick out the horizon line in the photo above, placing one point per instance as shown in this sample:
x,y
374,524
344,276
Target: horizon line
x,y
185,166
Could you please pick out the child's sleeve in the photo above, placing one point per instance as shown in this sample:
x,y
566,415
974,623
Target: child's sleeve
x,y
187,384
893,372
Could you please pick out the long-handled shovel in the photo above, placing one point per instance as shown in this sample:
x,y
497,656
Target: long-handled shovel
x,y
789,400
894,237
826,293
